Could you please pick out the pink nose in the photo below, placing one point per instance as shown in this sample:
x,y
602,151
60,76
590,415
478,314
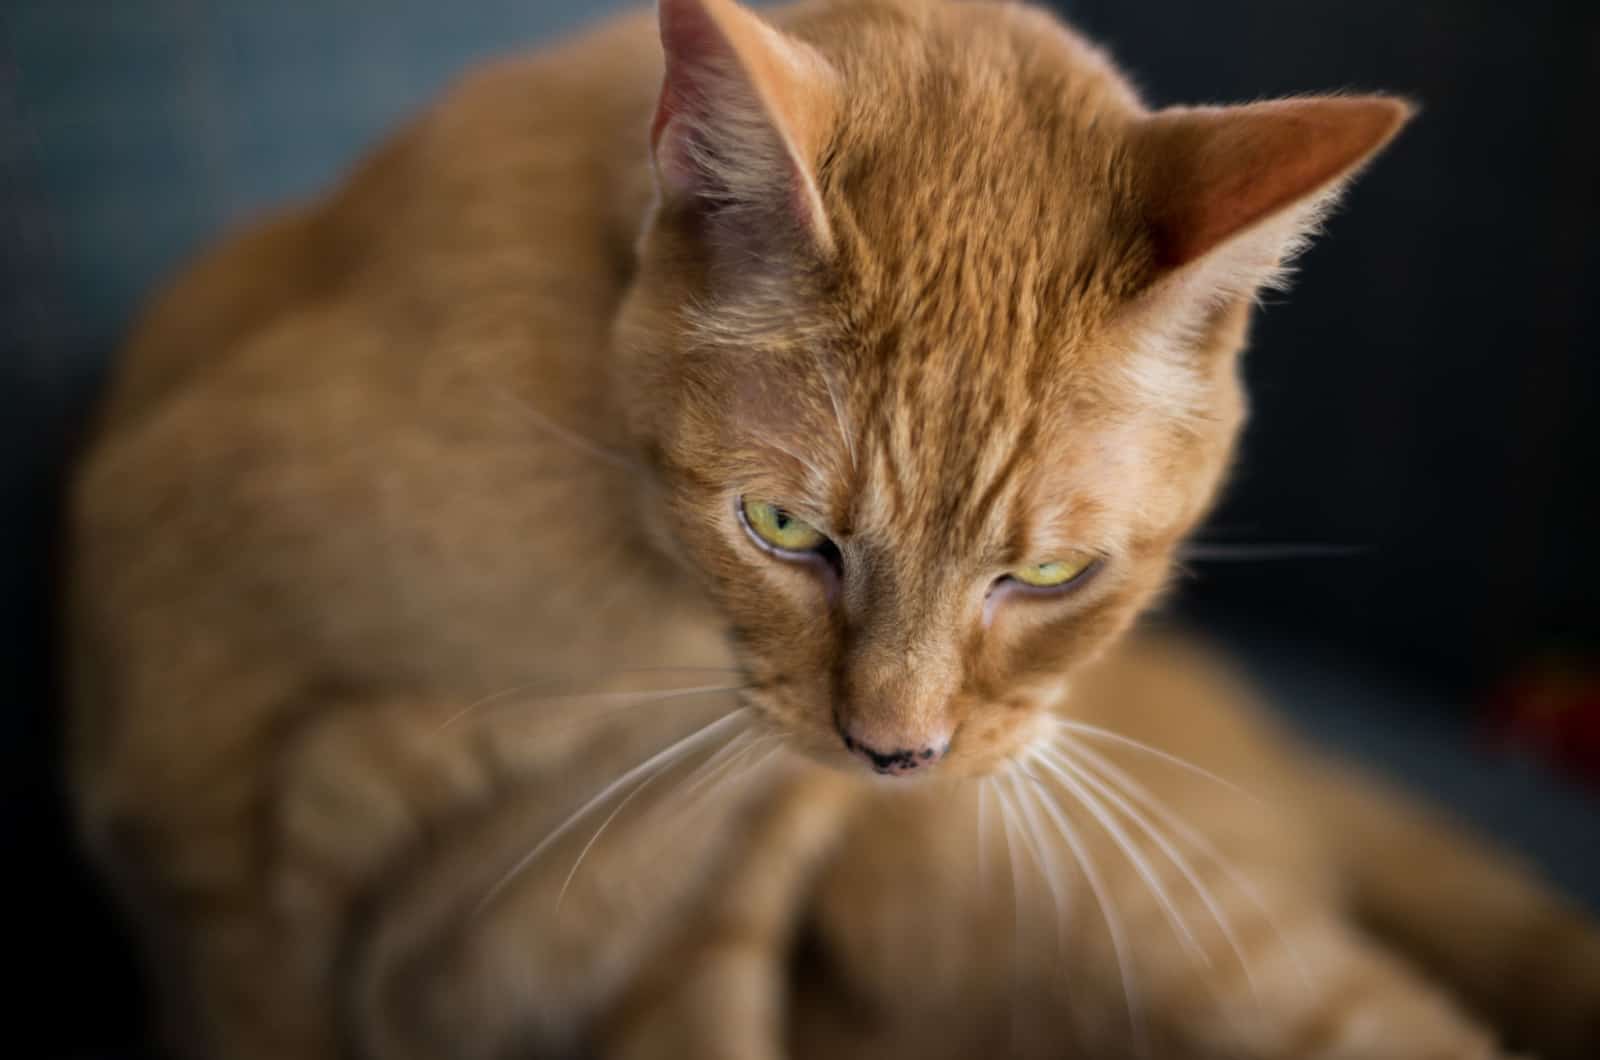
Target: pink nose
x,y
900,760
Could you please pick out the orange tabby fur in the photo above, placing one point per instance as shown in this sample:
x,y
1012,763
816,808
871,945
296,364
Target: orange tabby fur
x,y
411,525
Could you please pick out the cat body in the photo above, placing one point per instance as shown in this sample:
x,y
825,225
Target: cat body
x,y
434,694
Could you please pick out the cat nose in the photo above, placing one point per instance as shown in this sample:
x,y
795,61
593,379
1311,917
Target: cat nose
x,y
899,761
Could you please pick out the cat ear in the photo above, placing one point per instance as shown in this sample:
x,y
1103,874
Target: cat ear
x,y
743,114
1230,193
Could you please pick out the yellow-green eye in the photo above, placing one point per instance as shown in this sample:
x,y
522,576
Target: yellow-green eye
x,y
778,528
1056,573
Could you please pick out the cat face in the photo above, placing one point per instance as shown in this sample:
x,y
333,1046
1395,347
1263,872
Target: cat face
x,y
915,532
932,351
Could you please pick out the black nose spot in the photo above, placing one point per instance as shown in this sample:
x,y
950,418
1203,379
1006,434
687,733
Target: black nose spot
x,y
904,760
885,763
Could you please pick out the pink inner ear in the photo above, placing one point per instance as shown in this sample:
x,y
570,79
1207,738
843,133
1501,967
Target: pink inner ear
x,y
1218,171
690,41
667,108
741,113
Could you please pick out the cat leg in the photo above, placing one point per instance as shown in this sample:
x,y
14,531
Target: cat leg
x,y
1235,950
457,941
356,790
1517,952
389,823
1322,992
519,928
245,878
1230,954
731,957
1028,954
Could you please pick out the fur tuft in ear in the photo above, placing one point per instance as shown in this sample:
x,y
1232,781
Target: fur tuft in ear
x,y
1229,195
1234,190
742,118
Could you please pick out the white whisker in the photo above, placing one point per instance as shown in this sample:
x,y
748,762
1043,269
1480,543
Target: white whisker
x,y
714,782
1173,854
1030,796
748,764
630,700
983,837
1166,756
733,769
674,749
692,785
1119,938
621,805
1016,915
1203,552
1198,840
718,763
838,418
1141,864
578,441
804,461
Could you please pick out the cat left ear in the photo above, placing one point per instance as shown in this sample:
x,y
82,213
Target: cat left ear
x,y
742,118
1231,192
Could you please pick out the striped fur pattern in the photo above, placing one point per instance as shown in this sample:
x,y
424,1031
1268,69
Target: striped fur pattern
x,y
431,700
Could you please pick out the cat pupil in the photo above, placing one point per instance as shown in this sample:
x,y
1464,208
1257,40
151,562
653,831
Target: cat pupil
x,y
781,518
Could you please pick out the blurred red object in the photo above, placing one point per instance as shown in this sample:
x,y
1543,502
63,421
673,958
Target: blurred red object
x,y
1552,709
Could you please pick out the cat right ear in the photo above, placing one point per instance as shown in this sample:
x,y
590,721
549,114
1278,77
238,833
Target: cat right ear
x,y
1230,193
742,119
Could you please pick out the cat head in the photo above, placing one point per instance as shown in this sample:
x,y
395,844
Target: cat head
x,y
932,349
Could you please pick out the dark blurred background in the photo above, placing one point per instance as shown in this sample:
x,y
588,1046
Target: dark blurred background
x,y
1407,560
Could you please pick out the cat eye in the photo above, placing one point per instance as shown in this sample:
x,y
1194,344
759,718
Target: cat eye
x,y
778,530
1056,574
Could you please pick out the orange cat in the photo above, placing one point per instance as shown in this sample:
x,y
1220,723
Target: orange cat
x,y
497,583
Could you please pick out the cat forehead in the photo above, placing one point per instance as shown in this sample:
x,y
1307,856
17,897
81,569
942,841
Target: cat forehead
x,y
986,467
998,101
981,198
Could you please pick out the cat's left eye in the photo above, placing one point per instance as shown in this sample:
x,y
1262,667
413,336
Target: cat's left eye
x,y
1055,574
780,530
